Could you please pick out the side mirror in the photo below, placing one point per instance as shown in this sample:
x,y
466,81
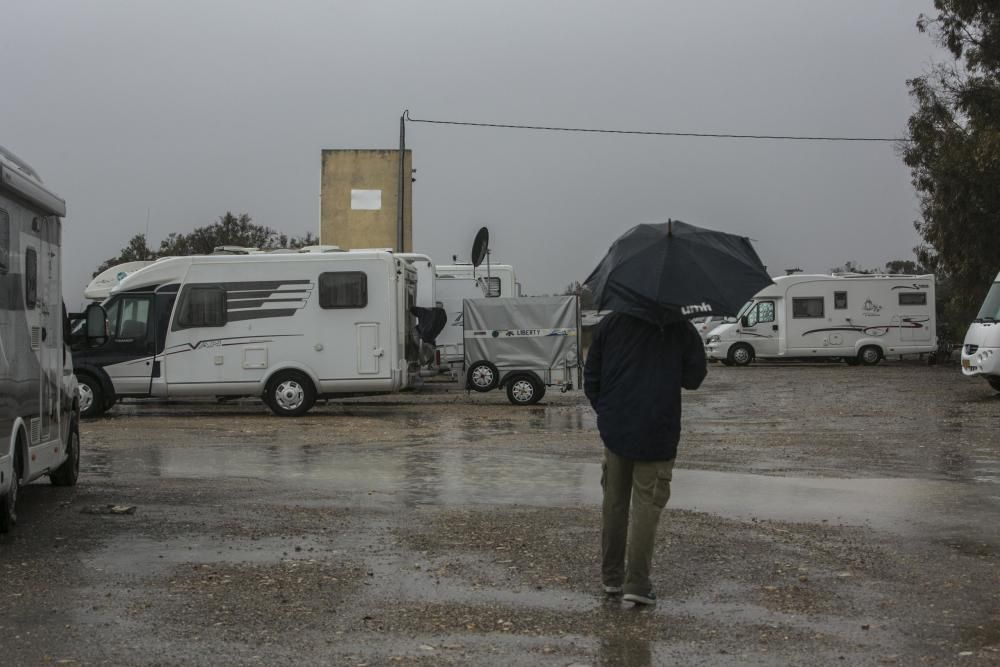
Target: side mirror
x,y
744,321
97,324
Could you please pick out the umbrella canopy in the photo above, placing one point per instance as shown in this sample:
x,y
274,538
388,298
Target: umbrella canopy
x,y
671,271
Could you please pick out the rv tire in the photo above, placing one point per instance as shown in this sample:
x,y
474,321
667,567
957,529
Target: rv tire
x,y
870,355
8,502
92,400
69,471
525,389
741,354
482,376
290,394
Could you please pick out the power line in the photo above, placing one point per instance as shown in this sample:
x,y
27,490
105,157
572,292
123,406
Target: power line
x,y
710,135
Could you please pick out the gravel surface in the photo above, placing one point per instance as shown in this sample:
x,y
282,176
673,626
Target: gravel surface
x,y
447,528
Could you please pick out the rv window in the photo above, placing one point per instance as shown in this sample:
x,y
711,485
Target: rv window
x,y
30,277
203,307
491,286
765,311
343,289
913,298
807,307
4,242
839,300
134,318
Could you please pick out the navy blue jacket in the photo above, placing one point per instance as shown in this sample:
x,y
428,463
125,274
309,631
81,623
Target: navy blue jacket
x,y
633,378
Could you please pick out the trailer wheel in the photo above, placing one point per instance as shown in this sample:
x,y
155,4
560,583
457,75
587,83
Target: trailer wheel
x,y
92,400
870,355
482,376
525,389
741,354
8,502
69,471
290,394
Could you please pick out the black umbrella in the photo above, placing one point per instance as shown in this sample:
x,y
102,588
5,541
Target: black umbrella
x,y
672,271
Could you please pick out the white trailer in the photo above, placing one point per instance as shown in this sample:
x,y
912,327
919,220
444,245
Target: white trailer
x,y
860,318
39,432
981,349
454,283
287,327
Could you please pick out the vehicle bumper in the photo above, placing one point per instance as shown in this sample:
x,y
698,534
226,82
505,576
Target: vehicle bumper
x,y
717,351
984,361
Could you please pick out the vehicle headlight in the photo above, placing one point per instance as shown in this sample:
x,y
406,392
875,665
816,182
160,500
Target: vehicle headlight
x,y
713,339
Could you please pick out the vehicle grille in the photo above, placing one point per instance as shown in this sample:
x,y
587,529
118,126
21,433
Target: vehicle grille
x,y
971,349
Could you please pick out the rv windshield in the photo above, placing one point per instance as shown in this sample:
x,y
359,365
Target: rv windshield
x,y
744,309
990,312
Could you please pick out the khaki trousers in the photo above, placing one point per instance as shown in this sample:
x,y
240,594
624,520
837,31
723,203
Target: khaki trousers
x,y
627,542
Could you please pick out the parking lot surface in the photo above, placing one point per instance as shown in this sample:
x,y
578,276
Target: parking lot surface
x,y
820,514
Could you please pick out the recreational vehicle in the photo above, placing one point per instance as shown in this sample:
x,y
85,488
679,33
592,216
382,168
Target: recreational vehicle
x,y
287,327
457,282
859,318
981,350
39,432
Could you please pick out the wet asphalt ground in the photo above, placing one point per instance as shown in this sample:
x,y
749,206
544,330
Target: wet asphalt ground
x,y
820,515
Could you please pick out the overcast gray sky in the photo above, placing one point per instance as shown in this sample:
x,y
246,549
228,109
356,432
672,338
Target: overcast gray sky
x,y
192,108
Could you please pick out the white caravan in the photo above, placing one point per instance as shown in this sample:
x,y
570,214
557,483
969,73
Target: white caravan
x,y
39,412
286,327
857,317
454,284
981,350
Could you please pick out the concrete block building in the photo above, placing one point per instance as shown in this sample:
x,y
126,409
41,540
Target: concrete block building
x,y
359,201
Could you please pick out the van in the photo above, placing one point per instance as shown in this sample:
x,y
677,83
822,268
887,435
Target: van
x,y
287,327
39,411
860,318
981,349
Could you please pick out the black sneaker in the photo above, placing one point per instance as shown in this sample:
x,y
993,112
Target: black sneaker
x,y
649,598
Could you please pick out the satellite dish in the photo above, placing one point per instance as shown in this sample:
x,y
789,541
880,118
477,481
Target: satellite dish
x,y
480,246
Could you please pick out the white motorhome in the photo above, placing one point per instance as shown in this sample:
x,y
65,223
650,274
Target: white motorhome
x,y
981,350
286,327
860,318
39,432
453,284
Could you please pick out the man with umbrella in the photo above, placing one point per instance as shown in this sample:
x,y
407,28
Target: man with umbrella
x,y
643,353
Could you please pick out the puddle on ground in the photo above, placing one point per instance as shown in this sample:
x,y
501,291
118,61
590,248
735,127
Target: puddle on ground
x,y
426,475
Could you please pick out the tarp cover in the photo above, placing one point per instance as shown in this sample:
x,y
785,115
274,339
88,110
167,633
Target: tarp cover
x,y
523,333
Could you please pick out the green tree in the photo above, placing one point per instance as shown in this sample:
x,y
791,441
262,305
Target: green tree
x,y
136,250
232,230
905,267
954,152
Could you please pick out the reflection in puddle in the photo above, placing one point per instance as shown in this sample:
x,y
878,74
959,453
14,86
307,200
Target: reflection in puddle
x,y
426,475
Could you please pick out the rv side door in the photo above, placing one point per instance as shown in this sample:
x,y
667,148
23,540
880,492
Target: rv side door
x,y
761,328
128,356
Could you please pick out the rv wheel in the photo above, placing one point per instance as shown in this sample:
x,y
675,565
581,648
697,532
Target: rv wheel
x,y
482,376
69,471
92,401
870,355
741,354
525,390
290,394
8,502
